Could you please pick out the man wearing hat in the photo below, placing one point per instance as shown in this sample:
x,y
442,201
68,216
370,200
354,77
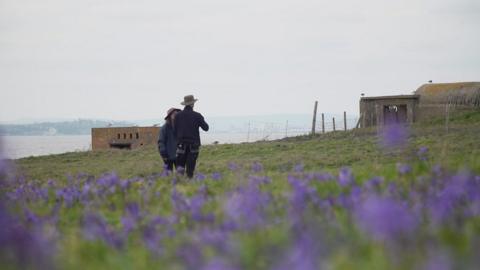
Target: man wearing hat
x,y
167,143
187,124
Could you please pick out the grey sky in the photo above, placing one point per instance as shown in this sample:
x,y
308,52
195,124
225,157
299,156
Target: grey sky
x,y
122,60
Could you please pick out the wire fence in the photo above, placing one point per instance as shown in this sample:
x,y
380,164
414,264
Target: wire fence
x,y
252,131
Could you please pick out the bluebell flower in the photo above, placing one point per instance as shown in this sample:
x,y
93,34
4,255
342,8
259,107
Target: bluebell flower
x,y
26,248
298,168
216,176
191,255
257,167
179,202
246,206
385,218
219,264
394,136
232,166
345,176
200,177
422,153
303,254
403,168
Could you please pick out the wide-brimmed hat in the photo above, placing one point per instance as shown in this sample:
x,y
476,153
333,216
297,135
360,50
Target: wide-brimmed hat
x,y
189,100
170,111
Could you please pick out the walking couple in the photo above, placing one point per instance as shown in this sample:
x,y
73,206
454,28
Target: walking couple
x,y
179,138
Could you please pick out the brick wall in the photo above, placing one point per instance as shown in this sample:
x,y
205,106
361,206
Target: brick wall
x,y
124,137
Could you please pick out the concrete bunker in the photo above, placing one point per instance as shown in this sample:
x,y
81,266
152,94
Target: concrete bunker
x,y
386,110
124,137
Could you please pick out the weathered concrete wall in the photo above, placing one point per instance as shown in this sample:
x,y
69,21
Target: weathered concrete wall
x,y
430,100
459,97
124,137
464,94
372,108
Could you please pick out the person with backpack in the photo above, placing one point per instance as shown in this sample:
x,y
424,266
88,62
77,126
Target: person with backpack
x,y
187,126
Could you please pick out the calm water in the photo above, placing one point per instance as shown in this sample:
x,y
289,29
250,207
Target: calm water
x,y
25,146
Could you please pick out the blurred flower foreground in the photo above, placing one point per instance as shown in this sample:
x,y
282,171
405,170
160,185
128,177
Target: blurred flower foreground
x,y
243,219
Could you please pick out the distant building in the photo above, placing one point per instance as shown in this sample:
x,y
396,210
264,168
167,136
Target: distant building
x,y
434,97
123,137
429,100
388,109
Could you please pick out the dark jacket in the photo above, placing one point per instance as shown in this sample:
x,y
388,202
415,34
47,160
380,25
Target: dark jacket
x,y
187,123
167,143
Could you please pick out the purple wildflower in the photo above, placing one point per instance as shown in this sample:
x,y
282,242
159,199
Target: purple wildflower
x,y
128,223
403,168
394,136
108,180
133,210
374,183
179,202
301,194
259,180
453,194
392,189
323,177
345,177
232,166
384,218
125,184
247,205
303,255
257,167
437,170
51,183
196,205
216,176
439,261
215,238
422,153
26,249
299,168
191,255
152,238
200,177
96,228
30,217
219,264
203,191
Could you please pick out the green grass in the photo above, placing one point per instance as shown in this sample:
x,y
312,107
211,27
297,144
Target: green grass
x,y
357,149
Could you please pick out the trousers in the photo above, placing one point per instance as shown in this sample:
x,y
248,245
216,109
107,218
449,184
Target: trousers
x,y
169,164
187,155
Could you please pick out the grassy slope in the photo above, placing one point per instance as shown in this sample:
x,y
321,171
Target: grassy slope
x,y
358,149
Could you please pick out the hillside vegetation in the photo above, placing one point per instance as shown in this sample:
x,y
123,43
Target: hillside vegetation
x,y
400,198
358,149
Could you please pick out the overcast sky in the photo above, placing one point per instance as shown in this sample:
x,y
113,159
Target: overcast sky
x,y
126,60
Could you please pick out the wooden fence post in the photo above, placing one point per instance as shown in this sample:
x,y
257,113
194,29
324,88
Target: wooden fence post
x,y
314,122
345,120
286,130
323,123
447,116
333,123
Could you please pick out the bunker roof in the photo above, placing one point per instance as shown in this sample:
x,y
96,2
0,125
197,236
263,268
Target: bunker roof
x,y
391,97
433,89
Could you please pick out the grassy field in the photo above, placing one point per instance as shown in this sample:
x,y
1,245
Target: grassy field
x,y
362,199
357,149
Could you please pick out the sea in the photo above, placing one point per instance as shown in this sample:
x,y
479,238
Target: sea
x,y
222,131
15,147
